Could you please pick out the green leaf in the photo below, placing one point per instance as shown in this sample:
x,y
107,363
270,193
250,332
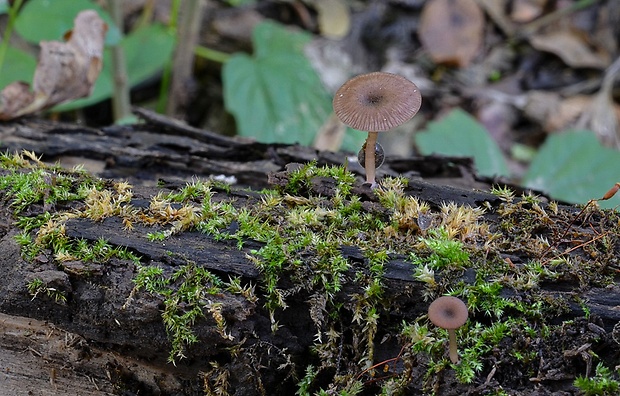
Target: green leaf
x,y
45,20
272,39
18,66
275,95
573,166
353,140
459,134
4,7
146,52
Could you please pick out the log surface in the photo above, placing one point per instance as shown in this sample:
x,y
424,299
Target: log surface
x,y
107,338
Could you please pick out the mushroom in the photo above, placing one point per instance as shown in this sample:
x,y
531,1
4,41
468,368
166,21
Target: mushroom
x,y
449,313
376,102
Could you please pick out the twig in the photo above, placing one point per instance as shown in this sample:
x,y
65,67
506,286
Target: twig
x,y
396,358
596,238
608,195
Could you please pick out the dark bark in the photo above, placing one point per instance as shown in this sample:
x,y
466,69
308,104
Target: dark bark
x,y
112,320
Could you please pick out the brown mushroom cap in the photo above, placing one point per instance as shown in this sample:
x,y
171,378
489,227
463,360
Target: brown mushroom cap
x,y
448,312
377,101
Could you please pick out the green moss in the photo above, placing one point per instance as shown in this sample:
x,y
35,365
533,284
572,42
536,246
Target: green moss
x,y
37,287
185,295
602,384
452,250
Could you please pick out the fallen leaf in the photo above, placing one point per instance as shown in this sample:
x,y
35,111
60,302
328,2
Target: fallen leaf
x,y
527,10
498,118
540,105
567,113
573,166
64,71
496,10
570,48
451,30
601,116
14,97
333,17
554,112
331,134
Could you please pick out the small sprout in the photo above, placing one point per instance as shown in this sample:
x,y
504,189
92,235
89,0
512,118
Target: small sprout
x,y
449,313
376,102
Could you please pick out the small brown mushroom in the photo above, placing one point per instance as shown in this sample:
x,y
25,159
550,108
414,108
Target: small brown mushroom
x,y
449,313
376,102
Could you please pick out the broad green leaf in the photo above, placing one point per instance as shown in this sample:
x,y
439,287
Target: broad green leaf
x,y
573,166
275,95
272,39
354,140
146,52
459,134
46,20
18,66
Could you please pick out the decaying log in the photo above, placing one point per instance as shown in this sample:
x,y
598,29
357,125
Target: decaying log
x,y
122,329
167,149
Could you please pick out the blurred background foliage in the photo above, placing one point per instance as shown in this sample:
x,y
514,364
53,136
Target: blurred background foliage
x,y
528,89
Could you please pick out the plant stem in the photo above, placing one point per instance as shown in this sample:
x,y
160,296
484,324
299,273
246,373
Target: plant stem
x,y
166,75
369,158
9,30
211,54
121,106
147,14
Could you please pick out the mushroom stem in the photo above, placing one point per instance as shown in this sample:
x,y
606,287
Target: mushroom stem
x,y
369,158
454,355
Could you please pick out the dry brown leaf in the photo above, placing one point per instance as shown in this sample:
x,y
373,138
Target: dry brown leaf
x,y
601,116
496,11
451,30
540,104
498,119
14,97
65,71
554,112
567,113
570,47
330,135
334,19
527,10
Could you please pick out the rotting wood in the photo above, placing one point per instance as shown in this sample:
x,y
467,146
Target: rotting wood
x,y
169,149
104,310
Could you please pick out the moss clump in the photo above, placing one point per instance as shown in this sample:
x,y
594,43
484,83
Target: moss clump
x,y
496,257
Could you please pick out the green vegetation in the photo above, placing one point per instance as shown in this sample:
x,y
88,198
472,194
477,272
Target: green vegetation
x,y
146,49
555,169
302,228
186,295
36,286
472,140
266,87
602,384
